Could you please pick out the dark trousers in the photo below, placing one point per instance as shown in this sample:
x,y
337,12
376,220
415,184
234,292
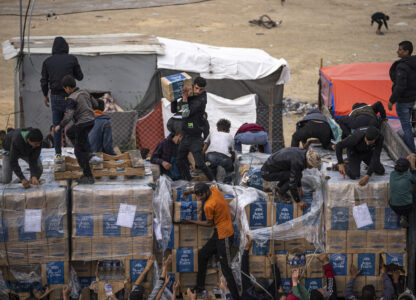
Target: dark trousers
x,y
219,159
320,131
222,249
194,145
281,176
78,134
352,168
58,106
404,210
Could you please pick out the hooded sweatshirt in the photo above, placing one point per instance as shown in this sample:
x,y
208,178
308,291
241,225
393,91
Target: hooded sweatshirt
x,y
403,75
58,65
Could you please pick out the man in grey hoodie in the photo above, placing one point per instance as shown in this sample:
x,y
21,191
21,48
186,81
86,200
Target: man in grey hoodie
x,y
79,109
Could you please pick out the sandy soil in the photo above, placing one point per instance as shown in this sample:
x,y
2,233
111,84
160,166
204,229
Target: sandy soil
x,y
338,31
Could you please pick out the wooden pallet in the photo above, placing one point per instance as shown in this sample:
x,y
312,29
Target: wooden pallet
x,y
128,164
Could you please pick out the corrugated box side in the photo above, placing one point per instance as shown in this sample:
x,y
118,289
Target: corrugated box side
x,y
82,249
101,248
259,266
188,235
187,210
340,263
173,85
142,245
399,259
377,240
122,248
142,225
55,272
259,214
185,260
314,267
396,241
204,234
356,241
359,283
341,282
368,263
377,282
336,241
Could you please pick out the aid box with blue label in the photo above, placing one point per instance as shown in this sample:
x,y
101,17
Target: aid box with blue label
x,y
173,85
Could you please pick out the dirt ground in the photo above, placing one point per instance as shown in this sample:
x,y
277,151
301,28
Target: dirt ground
x,y
338,31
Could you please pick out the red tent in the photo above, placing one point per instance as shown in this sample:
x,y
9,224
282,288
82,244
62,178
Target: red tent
x,y
344,85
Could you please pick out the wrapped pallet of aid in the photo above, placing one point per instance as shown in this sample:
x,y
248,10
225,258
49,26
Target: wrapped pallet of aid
x,y
111,222
249,166
34,225
173,85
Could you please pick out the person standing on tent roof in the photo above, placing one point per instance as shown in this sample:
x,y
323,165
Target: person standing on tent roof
x,y
361,117
54,69
403,75
361,146
193,109
380,18
313,125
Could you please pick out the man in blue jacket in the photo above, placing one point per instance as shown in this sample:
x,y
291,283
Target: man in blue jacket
x,y
101,135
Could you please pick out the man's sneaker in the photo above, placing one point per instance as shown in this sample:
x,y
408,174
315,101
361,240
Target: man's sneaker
x,y
85,180
403,222
59,159
95,160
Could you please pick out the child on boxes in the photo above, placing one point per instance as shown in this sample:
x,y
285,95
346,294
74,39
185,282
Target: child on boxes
x,y
219,149
401,190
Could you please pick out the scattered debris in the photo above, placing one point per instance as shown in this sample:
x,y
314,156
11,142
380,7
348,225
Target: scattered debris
x,y
266,22
401,24
259,33
292,106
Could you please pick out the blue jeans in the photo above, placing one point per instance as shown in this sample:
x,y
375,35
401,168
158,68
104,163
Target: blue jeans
x,y
58,105
219,159
404,112
252,138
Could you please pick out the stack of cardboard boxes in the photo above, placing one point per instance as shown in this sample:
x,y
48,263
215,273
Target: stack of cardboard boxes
x,y
34,236
96,235
368,247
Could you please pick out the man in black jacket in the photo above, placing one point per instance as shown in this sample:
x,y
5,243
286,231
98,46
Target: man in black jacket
x,y
403,75
25,144
286,166
380,18
54,69
313,125
193,109
361,146
361,117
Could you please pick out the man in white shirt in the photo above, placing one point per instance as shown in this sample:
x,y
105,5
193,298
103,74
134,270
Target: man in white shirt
x,y
219,149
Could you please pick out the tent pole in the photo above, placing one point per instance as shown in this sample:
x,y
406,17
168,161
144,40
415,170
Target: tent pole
x,y
320,100
271,117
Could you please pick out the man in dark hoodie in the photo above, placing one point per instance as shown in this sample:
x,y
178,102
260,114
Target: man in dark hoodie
x,y
165,155
25,144
193,109
361,117
54,69
101,135
80,110
313,125
403,75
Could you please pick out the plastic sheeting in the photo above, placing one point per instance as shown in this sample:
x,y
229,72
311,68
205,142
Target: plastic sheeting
x,y
237,111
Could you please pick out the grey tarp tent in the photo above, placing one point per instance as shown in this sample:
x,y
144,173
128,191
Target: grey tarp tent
x,y
131,65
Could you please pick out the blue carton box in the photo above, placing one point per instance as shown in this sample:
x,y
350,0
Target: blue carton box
x,y
368,263
187,210
173,85
339,218
313,283
185,259
284,212
391,219
259,214
340,263
84,225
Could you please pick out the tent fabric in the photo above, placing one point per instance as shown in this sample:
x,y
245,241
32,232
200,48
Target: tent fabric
x,y
220,62
149,129
351,83
237,111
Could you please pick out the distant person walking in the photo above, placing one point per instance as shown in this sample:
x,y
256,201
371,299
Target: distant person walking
x,y
380,18
403,75
54,69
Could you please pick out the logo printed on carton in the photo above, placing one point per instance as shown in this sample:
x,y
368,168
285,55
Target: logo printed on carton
x,y
24,236
185,259
339,263
54,226
136,268
339,218
394,258
391,219
255,179
286,285
284,213
258,214
189,210
55,272
4,230
366,262
110,227
261,247
84,225
313,283
140,225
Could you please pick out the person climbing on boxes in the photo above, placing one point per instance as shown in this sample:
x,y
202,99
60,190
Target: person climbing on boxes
x,y
361,146
401,189
80,105
286,166
218,215
252,134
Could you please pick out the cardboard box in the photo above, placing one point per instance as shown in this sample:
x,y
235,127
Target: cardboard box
x,y
55,224
56,272
279,246
284,213
107,225
188,235
314,267
143,198
85,268
211,279
14,200
185,260
338,218
396,241
37,252
377,282
142,245
340,263
295,246
58,249
313,283
259,266
259,214
391,219
101,248
122,248
56,199
286,285
103,201
356,241
282,265
359,283
187,210
135,267
142,225
336,241
17,253
173,85
377,240
85,225
261,247
368,263
178,195
308,198
82,249
399,259
82,200
341,282
204,234
187,280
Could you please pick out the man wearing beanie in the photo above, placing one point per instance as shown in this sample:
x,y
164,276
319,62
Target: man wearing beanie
x,y
286,166
361,146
